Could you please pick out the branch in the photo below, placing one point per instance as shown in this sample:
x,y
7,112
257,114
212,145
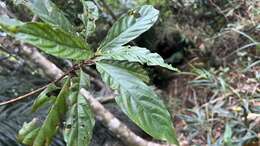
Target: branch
x,y
116,126
23,96
34,91
74,68
32,54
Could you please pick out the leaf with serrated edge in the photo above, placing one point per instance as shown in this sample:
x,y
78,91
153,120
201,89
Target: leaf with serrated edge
x,y
129,27
80,120
136,54
49,13
139,102
51,40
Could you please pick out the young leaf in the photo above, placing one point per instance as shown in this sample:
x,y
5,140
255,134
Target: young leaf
x,y
49,13
130,26
43,135
51,40
80,121
89,16
136,54
43,97
139,102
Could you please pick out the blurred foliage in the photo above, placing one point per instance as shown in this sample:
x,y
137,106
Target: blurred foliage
x,y
216,45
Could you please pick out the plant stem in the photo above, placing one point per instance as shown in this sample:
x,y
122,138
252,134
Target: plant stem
x,y
74,68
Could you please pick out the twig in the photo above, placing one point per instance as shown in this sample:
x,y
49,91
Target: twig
x,y
32,92
74,68
23,96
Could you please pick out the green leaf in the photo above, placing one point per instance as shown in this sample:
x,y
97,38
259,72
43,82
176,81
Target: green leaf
x,y
55,115
28,132
228,135
43,135
80,121
136,54
133,68
43,97
139,102
130,26
89,16
49,13
51,40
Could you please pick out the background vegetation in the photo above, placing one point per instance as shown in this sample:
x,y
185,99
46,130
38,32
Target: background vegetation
x,y
214,100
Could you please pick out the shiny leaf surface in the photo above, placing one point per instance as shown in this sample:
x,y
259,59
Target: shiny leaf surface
x,y
51,40
133,68
136,54
139,102
49,13
80,120
130,26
